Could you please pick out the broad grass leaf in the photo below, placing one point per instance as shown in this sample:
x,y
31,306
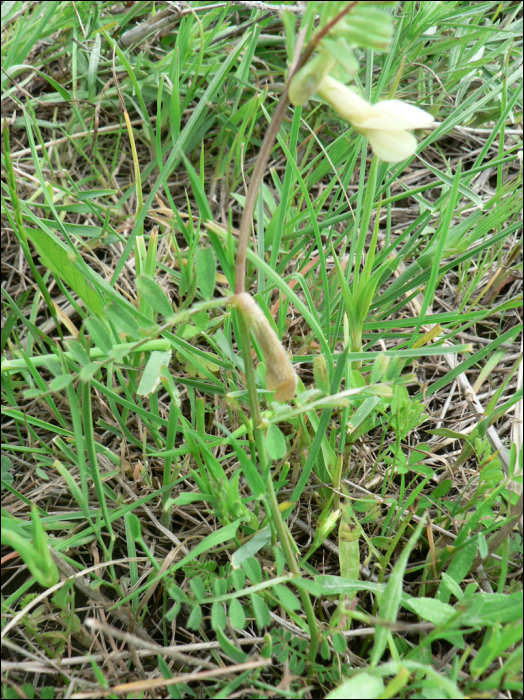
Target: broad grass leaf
x,y
155,297
58,258
206,268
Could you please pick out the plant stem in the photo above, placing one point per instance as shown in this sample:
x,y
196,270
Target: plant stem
x,y
250,374
260,166
254,188
276,521
267,145
284,539
275,516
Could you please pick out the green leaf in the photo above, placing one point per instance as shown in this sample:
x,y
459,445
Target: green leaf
x,y
230,649
124,322
442,489
275,442
199,192
238,579
61,261
35,555
78,352
287,597
7,477
253,478
486,609
325,651
151,376
92,71
431,610
134,527
363,686
99,334
74,488
155,297
234,505
380,367
88,371
237,617
260,610
252,546
252,570
339,643
459,568
349,532
198,587
494,644
213,540
206,268
218,616
195,618
390,600
321,374
61,382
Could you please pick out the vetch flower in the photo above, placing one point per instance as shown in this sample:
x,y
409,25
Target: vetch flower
x,y
386,124
280,374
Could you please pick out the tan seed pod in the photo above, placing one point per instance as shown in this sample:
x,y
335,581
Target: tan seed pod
x,y
280,375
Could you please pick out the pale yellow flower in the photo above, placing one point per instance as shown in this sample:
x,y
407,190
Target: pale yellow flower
x,y
386,124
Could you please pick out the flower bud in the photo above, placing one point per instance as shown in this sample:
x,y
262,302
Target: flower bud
x,y
306,81
280,375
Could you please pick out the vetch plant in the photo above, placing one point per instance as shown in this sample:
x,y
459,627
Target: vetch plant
x,y
280,373
158,376
385,124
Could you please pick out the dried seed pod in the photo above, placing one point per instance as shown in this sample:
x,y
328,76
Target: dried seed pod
x,y
280,375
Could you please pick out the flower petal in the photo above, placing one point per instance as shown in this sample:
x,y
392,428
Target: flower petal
x,y
346,103
391,146
395,115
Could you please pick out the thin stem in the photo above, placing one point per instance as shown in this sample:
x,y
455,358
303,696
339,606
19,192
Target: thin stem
x,y
250,374
284,535
267,145
275,516
254,187
277,523
260,166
